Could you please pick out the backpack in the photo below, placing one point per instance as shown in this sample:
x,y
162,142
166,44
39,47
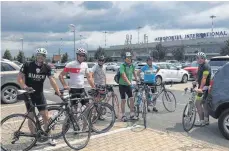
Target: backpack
x,y
118,75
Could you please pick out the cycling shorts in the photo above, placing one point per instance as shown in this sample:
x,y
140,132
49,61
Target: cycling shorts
x,y
37,99
125,90
78,91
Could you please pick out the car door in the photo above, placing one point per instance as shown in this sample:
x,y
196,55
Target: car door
x,y
163,72
172,71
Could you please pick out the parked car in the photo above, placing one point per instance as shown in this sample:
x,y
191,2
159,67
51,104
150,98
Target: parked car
x,y
168,72
139,65
172,61
110,65
60,65
192,70
117,66
9,84
217,62
218,99
18,63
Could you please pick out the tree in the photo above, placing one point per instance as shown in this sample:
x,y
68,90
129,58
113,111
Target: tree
x,y
161,51
100,51
32,58
21,57
7,55
64,58
225,50
178,53
90,59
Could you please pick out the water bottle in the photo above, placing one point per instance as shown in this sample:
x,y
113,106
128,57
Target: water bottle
x,y
40,119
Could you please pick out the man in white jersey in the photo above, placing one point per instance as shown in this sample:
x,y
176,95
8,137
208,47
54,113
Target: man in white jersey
x,y
76,69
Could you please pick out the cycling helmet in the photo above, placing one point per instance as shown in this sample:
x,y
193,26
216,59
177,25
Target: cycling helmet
x,y
201,55
41,51
128,54
149,58
81,51
101,57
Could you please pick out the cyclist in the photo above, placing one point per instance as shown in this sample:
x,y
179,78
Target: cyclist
x,y
77,69
98,71
150,71
203,80
127,69
33,74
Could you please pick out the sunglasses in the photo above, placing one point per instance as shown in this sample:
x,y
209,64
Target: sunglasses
x,y
101,60
81,55
41,55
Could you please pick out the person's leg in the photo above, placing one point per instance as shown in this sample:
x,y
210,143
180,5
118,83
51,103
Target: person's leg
x,y
200,110
123,101
45,114
130,97
205,105
31,114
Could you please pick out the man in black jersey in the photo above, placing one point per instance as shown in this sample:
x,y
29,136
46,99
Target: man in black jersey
x,y
203,80
33,74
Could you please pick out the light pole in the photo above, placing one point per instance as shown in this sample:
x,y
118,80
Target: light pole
x,y
212,17
74,31
139,27
105,32
21,44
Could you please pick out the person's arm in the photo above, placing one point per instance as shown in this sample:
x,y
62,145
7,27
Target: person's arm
x,y
90,79
135,74
61,77
52,81
158,69
123,74
141,70
21,76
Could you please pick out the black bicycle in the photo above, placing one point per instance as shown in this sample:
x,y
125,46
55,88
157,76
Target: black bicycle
x,y
70,126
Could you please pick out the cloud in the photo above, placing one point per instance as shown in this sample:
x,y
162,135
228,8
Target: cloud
x,y
91,5
38,22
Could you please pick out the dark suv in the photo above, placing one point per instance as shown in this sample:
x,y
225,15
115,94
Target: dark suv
x,y
218,99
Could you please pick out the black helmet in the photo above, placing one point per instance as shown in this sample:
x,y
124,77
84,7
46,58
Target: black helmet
x,y
102,57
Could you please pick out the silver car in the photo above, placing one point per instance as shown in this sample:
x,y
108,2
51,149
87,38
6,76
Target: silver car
x,y
9,84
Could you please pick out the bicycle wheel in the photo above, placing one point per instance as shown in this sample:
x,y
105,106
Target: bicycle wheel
x,y
17,136
56,131
169,101
106,117
115,104
189,116
76,132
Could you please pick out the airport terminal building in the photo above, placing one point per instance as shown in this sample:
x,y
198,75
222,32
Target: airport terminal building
x,y
210,43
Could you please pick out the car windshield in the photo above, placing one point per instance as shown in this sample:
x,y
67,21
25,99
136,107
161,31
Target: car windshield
x,y
218,62
18,63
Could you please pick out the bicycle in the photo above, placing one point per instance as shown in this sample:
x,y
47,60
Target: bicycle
x,y
43,135
107,94
94,110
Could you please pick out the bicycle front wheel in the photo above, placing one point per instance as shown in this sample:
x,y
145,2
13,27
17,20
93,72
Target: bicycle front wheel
x,y
104,113
15,133
169,101
189,116
76,132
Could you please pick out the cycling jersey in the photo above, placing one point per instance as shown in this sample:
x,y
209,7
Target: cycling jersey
x,y
129,70
204,69
99,74
149,73
76,72
35,75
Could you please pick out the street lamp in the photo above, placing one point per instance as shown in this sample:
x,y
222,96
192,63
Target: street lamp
x,y
74,31
212,17
139,27
21,44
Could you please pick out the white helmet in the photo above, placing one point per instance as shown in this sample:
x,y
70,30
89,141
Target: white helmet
x,y
81,51
41,51
201,54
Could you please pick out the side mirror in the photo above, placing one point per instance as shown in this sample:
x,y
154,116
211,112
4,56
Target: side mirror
x,y
178,68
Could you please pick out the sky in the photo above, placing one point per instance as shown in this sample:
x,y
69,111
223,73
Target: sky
x,y
46,24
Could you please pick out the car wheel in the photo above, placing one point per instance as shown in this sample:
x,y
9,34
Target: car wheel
x,y
223,124
9,94
158,80
184,78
